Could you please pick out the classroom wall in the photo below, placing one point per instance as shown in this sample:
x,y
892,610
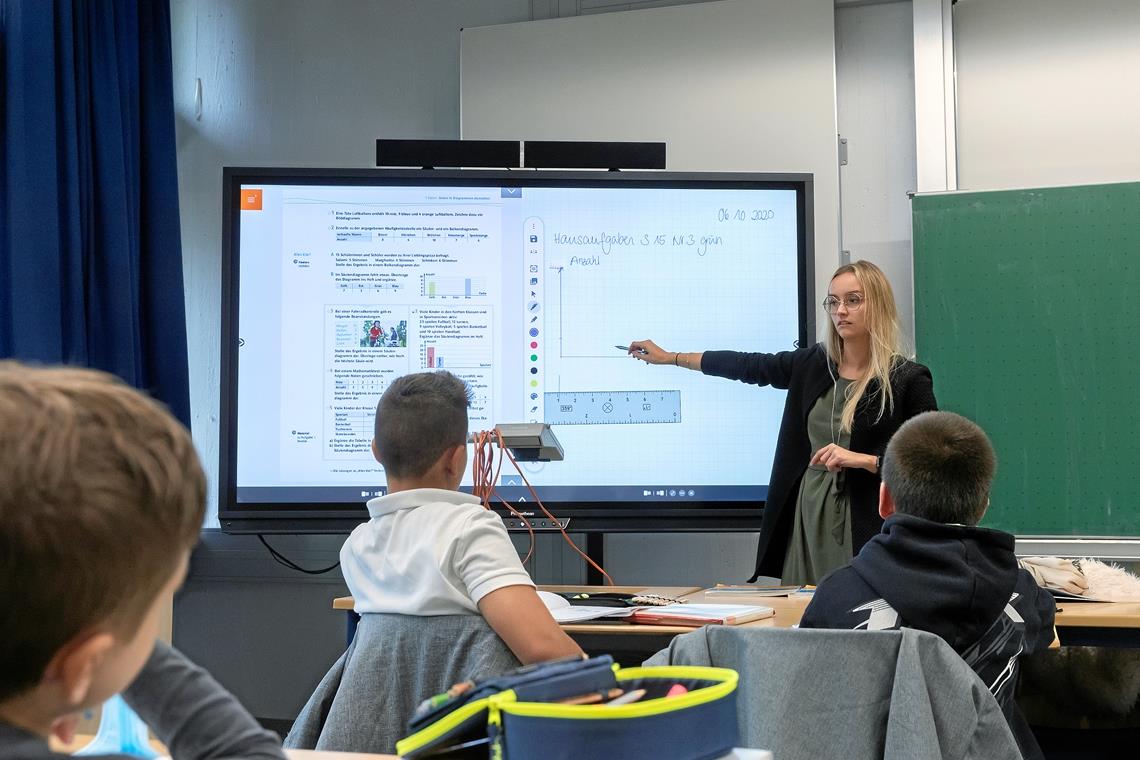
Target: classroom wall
x,y
1048,92
737,85
874,70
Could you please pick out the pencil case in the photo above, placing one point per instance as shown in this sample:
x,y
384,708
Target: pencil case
x,y
526,720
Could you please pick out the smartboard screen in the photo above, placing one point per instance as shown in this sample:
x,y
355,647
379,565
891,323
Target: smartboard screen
x,y
523,284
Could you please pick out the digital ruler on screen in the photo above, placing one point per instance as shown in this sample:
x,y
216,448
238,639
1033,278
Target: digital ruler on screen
x,y
612,407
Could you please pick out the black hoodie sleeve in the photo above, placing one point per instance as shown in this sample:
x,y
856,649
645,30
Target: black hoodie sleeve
x,y
835,599
1038,609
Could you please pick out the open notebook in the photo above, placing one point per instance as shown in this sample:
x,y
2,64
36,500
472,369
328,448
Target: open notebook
x,y
697,615
564,612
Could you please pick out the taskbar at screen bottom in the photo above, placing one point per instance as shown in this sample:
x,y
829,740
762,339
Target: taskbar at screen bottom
x,y
514,493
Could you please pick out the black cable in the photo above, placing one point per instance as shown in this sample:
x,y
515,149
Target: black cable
x,y
281,559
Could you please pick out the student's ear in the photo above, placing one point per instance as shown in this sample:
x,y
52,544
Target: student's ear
x,y
375,450
455,461
886,502
74,667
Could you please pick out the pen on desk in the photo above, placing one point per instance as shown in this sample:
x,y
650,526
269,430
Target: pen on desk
x,y
626,348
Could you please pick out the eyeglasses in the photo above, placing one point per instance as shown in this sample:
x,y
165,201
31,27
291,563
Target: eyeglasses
x,y
853,302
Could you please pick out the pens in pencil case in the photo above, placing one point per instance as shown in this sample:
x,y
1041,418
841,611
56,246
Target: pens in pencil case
x,y
438,700
627,698
626,348
592,698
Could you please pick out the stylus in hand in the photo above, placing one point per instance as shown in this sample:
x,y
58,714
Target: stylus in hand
x,y
626,349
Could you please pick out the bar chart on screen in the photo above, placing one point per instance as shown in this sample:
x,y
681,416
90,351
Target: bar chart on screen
x,y
437,286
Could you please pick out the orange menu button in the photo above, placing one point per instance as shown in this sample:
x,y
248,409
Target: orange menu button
x,y
250,200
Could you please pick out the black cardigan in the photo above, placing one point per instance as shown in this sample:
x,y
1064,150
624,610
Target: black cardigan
x,y
804,374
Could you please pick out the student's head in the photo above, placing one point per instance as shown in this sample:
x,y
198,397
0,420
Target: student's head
x,y
101,498
938,466
421,430
861,309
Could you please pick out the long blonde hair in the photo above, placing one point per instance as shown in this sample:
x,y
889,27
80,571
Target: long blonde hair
x,y
882,320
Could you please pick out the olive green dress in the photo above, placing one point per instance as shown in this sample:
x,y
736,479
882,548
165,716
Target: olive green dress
x,y
821,531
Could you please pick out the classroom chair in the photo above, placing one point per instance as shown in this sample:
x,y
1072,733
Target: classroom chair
x,y
392,664
820,694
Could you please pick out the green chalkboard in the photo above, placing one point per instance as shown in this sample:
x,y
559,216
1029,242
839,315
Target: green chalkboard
x,y
1027,310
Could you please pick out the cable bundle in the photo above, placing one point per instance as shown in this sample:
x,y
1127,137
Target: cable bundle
x,y
485,474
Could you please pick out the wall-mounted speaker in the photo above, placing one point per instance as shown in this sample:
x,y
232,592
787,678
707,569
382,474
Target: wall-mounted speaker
x,y
431,154
559,154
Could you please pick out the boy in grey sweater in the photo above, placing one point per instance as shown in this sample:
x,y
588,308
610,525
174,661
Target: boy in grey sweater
x,y
101,500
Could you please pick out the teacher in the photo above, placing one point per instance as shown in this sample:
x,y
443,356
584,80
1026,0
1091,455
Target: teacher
x,y
845,400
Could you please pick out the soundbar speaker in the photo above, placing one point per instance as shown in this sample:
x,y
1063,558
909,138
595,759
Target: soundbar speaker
x,y
433,154
557,154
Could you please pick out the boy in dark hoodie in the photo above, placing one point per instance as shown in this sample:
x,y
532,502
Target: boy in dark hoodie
x,y
933,569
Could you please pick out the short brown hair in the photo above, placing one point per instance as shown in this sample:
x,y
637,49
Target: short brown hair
x,y
101,492
418,418
940,466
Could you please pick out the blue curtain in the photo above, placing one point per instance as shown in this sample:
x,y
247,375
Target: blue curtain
x,y
90,248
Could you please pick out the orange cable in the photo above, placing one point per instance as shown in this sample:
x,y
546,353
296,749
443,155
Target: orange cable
x,y
484,489
561,530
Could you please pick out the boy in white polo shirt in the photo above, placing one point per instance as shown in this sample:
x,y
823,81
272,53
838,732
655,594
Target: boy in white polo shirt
x,y
429,549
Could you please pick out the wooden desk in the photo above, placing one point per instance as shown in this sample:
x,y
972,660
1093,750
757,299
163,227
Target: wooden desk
x,y
82,740
347,604
1101,624
312,754
631,644
789,610
1107,624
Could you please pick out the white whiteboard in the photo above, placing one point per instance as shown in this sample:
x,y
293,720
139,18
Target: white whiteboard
x,y
1047,92
740,85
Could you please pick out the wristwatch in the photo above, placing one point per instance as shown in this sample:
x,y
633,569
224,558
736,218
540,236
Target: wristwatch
x,y
879,465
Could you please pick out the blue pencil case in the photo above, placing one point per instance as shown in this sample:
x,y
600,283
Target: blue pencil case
x,y
519,716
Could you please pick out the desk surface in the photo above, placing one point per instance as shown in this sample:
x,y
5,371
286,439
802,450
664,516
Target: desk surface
x,y
789,609
347,602
1098,614
1122,619
294,754
311,754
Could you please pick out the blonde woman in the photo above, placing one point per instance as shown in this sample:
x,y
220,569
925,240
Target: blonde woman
x,y
846,398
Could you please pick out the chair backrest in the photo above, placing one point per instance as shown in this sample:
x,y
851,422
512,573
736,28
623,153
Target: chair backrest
x,y
393,663
852,694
